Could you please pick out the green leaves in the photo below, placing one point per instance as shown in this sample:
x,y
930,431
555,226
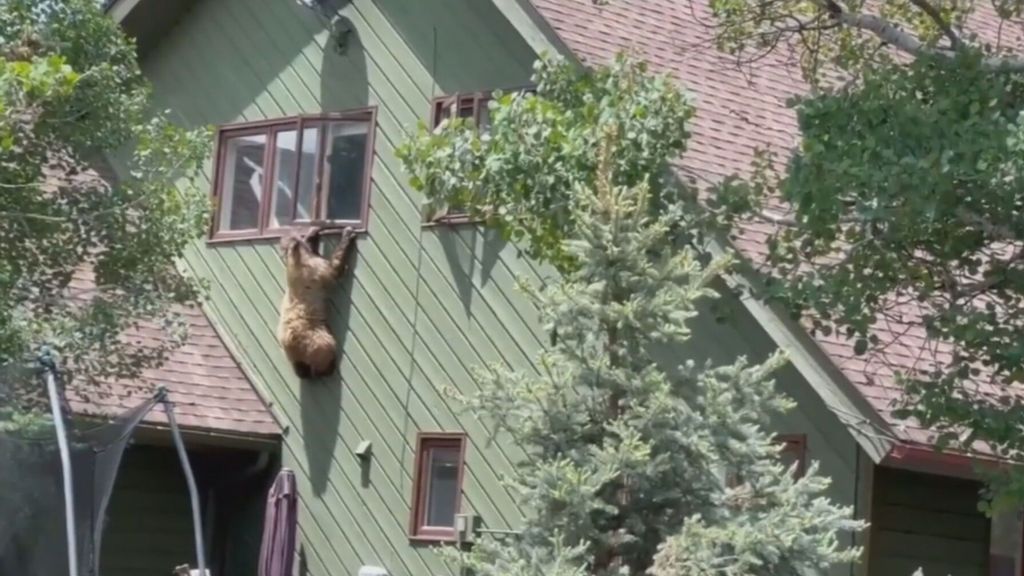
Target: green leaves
x,y
907,192
98,197
522,176
625,447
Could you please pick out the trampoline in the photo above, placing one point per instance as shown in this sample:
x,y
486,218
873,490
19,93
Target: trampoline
x,y
57,476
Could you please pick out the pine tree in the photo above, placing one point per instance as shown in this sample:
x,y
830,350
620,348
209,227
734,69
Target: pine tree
x,y
626,456
627,452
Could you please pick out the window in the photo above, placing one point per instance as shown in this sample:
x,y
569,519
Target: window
x,y
462,106
468,106
302,170
437,485
794,451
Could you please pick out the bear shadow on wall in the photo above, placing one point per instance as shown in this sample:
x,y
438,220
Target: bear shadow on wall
x,y
312,331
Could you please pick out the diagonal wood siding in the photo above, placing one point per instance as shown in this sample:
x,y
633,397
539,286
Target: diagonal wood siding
x,y
425,305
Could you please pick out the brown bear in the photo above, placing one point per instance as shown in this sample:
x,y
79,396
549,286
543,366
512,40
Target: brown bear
x,y
303,330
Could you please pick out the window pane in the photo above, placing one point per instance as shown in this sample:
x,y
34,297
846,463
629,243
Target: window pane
x,y
307,173
242,182
441,113
442,487
286,162
345,164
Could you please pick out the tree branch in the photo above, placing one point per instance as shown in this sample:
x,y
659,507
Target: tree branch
x,y
908,43
31,216
996,231
973,289
933,13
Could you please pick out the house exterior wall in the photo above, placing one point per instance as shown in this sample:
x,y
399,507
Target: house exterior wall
x,y
149,526
929,522
423,305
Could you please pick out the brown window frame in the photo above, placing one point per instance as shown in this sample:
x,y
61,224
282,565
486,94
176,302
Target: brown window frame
x,y
796,443
270,128
425,442
477,101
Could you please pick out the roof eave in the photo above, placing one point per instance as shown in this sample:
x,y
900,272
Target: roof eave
x,y
927,459
840,396
531,25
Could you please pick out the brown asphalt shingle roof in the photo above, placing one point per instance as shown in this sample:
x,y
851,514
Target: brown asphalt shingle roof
x,y
204,381
740,109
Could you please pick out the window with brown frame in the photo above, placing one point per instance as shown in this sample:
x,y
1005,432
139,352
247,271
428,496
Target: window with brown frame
x,y
468,106
794,451
437,485
297,171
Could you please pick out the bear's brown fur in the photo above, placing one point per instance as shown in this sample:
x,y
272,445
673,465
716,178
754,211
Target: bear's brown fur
x,y
303,330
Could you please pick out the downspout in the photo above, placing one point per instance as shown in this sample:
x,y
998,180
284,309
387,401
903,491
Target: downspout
x,y
262,461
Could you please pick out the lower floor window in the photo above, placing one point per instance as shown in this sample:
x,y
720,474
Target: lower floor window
x,y
437,486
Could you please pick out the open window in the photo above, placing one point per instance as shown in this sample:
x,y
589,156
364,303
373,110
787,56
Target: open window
x,y
437,486
297,171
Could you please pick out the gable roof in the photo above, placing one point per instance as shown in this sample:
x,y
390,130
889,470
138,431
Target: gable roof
x,y
740,109
211,394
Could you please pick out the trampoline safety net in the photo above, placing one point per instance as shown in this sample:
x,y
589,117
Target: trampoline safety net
x,y
33,535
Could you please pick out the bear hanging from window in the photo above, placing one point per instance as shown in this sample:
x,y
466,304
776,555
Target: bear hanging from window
x,y
303,330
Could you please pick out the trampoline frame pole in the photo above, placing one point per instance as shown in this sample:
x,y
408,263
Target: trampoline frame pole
x,y
65,463
193,492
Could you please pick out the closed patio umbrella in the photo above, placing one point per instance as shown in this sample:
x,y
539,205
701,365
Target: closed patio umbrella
x,y
280,523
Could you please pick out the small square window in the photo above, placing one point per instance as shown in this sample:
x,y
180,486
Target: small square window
x,y
295,171
794,451
437,486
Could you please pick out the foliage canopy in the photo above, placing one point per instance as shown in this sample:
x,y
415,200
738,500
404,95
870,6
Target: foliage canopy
x,y
906,192
629,451
84,254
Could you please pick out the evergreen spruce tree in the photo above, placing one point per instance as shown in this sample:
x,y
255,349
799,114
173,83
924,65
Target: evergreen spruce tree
x,y
627,454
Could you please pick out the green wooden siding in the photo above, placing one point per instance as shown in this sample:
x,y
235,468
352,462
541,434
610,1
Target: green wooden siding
x,y
425,305
149,528
926,521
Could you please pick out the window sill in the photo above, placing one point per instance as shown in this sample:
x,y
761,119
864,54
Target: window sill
x,y
433,539
332,230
